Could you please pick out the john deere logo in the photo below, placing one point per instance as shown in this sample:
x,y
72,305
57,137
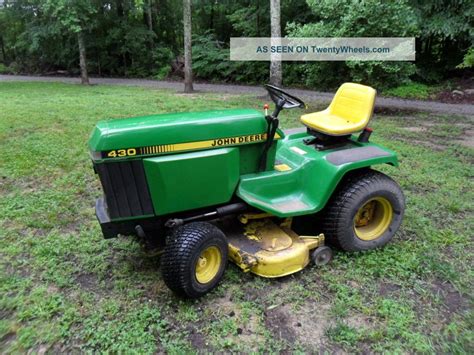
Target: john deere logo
x,y
238,140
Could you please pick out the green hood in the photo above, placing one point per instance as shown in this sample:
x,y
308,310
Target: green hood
x,y
175,128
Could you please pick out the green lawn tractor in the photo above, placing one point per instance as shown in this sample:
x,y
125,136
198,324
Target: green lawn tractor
x,y
218,185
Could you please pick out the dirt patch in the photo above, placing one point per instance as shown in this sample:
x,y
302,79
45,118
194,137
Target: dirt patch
x,y
223,97
74,227
28,184
455,97
425,126
307,328
394,111
467,139
18,270
360,321
280,321
40,350
197,339
87,281
461,92
7,339
195,95
388,289
248,325
427,143
416,129
452,299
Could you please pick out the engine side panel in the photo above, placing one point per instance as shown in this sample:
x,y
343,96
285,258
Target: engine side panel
x,y
188,181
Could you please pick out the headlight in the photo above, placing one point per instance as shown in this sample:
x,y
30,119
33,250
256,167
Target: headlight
x,y
95,155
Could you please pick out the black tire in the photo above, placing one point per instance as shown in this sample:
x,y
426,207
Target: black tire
x,y
321,256
356,191
179,263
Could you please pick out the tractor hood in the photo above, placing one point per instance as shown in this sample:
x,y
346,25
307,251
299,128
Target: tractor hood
x,y
167,133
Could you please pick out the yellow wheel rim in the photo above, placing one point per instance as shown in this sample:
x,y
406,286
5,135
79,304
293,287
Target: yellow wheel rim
x,y
208,264
373,218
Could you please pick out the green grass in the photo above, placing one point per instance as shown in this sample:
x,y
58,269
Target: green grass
x,y
65,289
412,91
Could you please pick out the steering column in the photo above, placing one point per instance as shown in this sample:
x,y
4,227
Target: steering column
x,y
282,100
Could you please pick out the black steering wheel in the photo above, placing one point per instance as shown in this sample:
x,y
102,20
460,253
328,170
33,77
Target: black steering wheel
x,y
282,99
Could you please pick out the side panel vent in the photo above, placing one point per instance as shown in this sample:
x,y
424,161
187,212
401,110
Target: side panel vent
x,y
125,188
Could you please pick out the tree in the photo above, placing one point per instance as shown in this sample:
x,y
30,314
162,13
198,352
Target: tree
x,y
74,16
446,34
142,38
353,18
275,64
188,70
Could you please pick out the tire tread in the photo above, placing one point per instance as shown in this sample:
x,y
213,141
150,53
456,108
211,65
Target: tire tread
x,y
354,186
179,252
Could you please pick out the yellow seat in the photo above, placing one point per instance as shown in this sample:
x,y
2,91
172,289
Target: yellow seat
x,y
349,112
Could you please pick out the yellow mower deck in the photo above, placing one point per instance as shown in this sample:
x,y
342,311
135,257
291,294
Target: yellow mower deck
x,y
259,245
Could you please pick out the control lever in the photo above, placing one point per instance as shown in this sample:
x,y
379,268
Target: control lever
x,y
272,126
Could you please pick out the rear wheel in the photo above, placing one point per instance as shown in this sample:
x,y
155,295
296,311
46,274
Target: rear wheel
x,y
365,212
194,259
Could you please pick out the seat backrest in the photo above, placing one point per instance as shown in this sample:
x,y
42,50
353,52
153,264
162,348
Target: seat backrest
x,y
353,102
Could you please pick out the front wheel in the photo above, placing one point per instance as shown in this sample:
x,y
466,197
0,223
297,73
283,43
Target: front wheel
x,y
365,212
194,259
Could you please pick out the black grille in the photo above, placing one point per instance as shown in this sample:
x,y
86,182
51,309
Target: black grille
x,y
125,188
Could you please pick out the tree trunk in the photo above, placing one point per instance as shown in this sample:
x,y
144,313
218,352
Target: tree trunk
x,y
188,70
99,68
82,59
4,54
149,15
211,17
257,26
275,64
120,11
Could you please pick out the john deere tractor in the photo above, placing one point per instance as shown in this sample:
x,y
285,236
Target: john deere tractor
x,y
230,184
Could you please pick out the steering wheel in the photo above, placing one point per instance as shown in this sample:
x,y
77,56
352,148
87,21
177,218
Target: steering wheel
x,y
282,99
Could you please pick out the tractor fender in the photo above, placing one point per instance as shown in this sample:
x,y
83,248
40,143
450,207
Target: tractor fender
x,y
311,179
350,160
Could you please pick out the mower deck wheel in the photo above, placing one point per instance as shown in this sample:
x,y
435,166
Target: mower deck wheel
x,y
321,256
194,259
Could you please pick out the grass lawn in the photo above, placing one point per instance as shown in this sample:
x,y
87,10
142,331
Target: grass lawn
x,y
64,288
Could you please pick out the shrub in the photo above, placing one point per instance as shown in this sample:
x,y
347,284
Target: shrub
x,y
410,91
468,61
4,69
211,62
353,18
13,68
162,58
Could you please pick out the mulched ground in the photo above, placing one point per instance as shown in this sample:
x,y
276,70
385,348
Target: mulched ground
x,y
453,96
450,98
